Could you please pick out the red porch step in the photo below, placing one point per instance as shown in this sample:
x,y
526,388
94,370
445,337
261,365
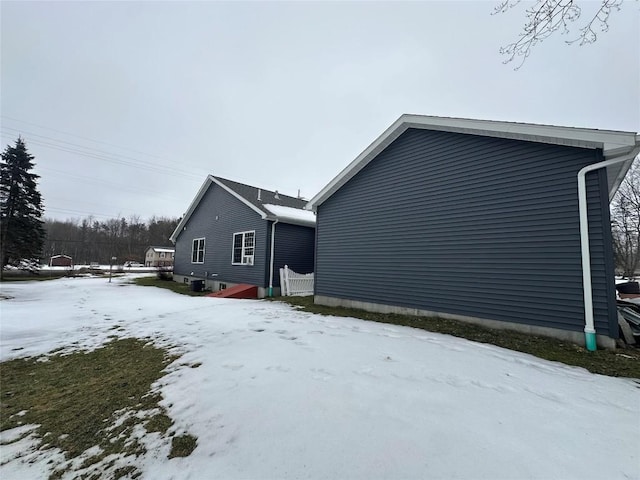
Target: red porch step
x,y
242,290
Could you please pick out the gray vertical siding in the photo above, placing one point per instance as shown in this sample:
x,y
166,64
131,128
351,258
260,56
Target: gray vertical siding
x,y
218,216
469,225
295,247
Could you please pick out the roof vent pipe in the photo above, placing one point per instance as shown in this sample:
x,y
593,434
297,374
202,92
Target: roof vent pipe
x,y
589,329
259,195
276,195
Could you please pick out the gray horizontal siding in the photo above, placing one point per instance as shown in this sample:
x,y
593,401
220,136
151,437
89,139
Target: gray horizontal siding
x,y
468,225
218,216
295,247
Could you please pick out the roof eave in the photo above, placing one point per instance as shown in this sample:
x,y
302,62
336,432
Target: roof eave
x,y
290,221
630,154
301,223
190,210
198,198
379,144
239,197
606,140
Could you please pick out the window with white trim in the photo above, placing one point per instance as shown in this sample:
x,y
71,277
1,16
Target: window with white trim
x,y
243,248
197,250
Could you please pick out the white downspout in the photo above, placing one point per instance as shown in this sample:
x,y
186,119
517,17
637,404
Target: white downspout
x,y
589,329
273,237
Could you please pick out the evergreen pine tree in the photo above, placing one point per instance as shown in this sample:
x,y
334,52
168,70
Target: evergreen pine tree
x,y
21,227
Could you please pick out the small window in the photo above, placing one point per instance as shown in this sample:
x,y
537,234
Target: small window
x,y
197,250
243,248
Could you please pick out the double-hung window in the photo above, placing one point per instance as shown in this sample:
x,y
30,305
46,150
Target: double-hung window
x,y
197,250
243,248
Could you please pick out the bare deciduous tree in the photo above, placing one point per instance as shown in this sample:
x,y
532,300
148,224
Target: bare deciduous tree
x,y
625,223
549,16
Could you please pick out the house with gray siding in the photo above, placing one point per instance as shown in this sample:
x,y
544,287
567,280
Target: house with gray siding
x,y
234,233
498,223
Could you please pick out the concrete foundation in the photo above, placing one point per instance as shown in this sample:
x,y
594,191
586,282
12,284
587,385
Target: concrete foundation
x,y
570,336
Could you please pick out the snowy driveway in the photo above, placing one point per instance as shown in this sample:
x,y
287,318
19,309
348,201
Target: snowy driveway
x,y
287,394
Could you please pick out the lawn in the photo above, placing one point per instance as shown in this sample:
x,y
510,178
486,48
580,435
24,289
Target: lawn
x,y
96,409
25,277
615,363
182,288
259,389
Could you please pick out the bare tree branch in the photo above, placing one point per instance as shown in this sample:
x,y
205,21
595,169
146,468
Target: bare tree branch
x,y
600,19
549,16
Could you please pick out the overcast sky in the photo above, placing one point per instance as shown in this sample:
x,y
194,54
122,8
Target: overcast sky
x,y
128,106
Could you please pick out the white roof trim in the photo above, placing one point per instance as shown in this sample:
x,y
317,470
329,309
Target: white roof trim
x,y
239,197
611,142
203,189
614,183
192,207
162,249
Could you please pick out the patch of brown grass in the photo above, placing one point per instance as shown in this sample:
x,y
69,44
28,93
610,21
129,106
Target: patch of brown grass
x,y
81,400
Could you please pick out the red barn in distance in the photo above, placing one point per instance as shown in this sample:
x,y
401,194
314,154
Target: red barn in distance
x,y
61,261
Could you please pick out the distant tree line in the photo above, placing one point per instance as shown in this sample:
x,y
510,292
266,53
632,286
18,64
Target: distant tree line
x,y
89,240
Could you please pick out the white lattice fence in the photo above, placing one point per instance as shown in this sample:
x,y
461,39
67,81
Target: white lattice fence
x,y
295,284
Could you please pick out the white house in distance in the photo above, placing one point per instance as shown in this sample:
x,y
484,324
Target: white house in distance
x,y
159,256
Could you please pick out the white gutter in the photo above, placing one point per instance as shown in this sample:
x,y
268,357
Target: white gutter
x,y
589,329
271,259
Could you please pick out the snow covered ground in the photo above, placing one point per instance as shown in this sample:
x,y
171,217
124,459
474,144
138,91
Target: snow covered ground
x,y
287,394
